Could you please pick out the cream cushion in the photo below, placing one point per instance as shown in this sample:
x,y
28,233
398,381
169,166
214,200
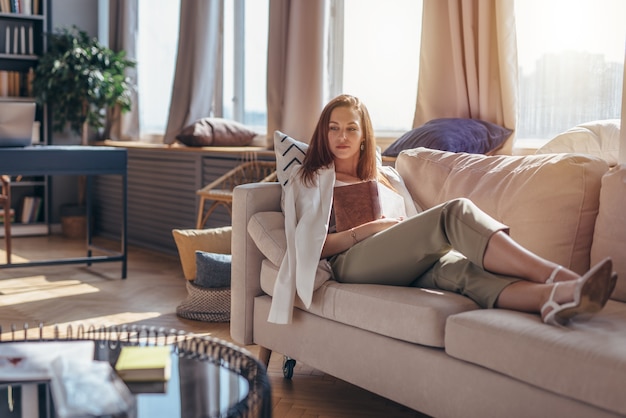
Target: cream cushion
x,y
550,202
188,241
599,138
409,314
608,236
584,361
267,230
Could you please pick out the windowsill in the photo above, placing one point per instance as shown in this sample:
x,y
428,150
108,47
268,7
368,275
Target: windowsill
x,y
528,146
258,150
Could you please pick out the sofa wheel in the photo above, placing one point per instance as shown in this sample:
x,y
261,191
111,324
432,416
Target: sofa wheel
x,y
288,365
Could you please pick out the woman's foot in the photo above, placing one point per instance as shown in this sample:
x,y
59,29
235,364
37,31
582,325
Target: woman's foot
x,y
586,295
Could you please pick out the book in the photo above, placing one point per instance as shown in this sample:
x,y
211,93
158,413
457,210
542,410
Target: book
x,y
27,208
359,203
144,363
356,204
31,209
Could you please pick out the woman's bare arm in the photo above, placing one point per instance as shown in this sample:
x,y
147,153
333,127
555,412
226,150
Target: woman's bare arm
x,y
339,242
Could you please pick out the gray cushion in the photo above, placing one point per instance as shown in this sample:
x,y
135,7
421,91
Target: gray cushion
x,y
212,270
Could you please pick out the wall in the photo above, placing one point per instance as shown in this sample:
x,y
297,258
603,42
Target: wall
x,y
82,13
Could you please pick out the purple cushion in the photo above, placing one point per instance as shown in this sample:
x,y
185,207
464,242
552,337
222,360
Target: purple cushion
x,y
452,134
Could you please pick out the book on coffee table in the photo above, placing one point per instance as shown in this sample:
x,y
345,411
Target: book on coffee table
x,y
144,363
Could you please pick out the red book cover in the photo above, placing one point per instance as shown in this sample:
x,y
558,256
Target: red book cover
x,y
356,204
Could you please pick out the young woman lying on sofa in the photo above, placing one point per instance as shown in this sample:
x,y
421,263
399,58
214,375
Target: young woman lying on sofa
x,y
454,246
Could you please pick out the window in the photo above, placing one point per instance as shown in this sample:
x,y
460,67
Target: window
x,y
245,61
378,50
157,41
571,64
244,72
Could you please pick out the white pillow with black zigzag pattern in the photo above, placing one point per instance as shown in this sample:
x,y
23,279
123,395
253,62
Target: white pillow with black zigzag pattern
x,y
289,155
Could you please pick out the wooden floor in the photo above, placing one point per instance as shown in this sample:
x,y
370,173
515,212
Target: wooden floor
x,y
96,295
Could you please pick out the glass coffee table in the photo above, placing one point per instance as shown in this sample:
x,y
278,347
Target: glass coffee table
x,y
209,377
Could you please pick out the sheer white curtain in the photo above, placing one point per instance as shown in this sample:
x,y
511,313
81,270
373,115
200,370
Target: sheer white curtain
x,y
295,67
197,80
468,62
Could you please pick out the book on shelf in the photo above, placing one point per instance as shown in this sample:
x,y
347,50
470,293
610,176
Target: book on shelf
x,y
31,208
25,7
359,203
138,363
16,83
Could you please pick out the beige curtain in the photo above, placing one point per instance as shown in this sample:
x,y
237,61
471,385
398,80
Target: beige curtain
x,y
622,146
123,36
468,62
295,67
197,78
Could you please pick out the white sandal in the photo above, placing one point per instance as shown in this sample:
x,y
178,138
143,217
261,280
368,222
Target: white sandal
x,y
589,295
553,274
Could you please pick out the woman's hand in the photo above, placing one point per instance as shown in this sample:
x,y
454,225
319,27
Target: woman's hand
x,y
339,242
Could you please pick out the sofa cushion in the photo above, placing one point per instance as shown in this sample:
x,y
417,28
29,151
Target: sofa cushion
x,y
609,236
406,313
599,138
584,361
267,230
550,202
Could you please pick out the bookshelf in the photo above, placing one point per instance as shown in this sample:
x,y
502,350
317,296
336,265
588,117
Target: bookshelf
x,y
23,25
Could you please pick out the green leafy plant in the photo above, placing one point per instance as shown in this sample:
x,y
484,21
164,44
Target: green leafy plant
x,y
80,80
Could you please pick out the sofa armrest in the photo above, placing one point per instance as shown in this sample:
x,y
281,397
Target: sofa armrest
x,y
248,199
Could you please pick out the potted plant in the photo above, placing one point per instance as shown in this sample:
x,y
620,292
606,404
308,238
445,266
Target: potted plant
x,y
81,80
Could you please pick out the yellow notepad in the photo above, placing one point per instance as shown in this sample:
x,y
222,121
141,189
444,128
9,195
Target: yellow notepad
x,y
144,363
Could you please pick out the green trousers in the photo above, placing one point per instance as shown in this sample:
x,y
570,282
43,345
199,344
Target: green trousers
x,y
442,247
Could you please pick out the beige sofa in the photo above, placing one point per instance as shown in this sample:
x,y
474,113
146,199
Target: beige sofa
x,y
435,351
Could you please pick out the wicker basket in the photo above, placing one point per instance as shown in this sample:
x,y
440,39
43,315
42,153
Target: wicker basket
x,y
205,304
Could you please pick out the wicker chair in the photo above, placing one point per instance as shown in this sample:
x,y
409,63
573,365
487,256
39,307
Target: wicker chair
x,y
7,213
220,191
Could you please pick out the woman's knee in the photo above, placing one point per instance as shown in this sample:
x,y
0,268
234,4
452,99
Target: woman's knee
x,y
459,206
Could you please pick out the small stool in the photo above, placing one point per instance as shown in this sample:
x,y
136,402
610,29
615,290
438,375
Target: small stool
x,y
205,304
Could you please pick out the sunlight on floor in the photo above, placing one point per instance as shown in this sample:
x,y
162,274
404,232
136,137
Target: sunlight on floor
x,y
37,288
14,258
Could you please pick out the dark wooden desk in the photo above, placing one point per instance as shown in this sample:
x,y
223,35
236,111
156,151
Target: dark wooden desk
x,y
50,160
